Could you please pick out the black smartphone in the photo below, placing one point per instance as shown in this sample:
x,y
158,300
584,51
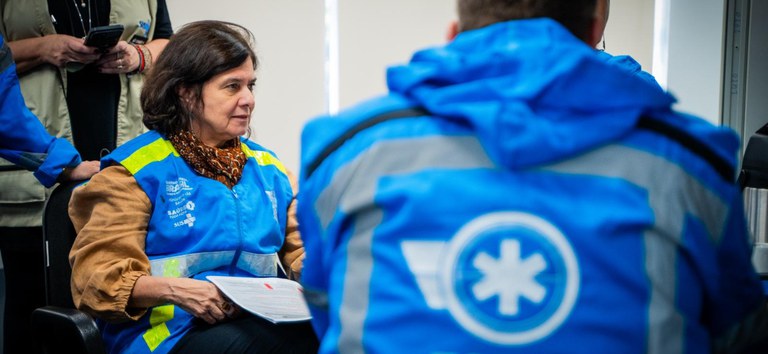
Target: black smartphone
x,y
104,37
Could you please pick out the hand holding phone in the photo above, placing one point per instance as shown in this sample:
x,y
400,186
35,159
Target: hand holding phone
x,y
104,37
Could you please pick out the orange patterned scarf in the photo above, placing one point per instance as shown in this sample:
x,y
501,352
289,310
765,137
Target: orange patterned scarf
x,y
224,164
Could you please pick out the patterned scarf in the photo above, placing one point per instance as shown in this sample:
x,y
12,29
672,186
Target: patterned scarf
x,y
224,164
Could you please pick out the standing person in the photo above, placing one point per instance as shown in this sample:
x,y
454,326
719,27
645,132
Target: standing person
x,y
25,142
186,200
514,192
96,106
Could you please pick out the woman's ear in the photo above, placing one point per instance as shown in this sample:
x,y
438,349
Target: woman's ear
x,y
453,30
185,94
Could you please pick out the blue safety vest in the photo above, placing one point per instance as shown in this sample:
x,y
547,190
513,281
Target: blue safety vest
x,y
199,227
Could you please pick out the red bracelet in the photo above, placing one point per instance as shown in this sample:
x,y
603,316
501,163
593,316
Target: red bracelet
x,y
142,60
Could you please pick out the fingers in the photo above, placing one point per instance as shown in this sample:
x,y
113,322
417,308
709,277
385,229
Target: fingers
x,y
84,170
201,299
80,52
229,308
214,314
119,60
219,311
60,49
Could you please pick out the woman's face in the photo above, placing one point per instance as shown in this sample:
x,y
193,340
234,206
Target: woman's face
x,y
227,100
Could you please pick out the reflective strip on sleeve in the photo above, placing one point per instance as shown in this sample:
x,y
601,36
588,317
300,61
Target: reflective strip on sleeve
x,y
348,193
660,178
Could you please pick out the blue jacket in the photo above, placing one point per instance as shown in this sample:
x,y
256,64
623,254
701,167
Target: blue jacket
x,y
550,202
629,65
198,228
23,139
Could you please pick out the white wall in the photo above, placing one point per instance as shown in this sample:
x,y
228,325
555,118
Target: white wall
x,y
630,30
696,29
373,34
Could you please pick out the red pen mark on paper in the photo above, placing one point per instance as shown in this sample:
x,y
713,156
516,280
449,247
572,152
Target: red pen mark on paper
x,y
268,286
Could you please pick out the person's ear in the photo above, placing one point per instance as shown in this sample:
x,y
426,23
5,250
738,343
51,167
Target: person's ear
x,y
185,94
453,30
596,31
601,20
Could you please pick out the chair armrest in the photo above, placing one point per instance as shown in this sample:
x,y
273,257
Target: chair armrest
x,y
67,330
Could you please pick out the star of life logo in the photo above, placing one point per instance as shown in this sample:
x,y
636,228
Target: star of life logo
x,y
509,278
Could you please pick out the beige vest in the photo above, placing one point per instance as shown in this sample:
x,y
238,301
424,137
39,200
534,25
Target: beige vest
x,y
22,198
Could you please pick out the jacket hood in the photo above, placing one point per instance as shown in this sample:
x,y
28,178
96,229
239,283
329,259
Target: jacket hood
x,y
532,91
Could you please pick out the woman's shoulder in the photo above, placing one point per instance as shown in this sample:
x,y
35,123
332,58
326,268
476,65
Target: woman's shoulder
x,y
263,156
149,145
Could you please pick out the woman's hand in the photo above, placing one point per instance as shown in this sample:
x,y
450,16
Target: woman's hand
x,y
200,298
59,49
120,59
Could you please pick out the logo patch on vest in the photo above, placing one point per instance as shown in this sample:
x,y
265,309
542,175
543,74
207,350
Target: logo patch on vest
x,y
174,188
509,278
177,192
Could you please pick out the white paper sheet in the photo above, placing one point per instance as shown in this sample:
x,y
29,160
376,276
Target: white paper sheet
x,y
275,299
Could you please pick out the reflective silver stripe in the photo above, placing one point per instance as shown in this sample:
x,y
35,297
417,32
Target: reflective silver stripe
x,y
353,190
672,194
190,264
263,265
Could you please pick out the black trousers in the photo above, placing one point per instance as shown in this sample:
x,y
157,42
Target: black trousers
x,y
248,334
24,266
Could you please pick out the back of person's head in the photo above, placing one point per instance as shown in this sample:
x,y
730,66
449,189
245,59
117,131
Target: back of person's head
x,y
196,53
575,15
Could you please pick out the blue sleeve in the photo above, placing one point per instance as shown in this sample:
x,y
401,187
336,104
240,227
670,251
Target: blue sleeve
x,y
23,139
630,65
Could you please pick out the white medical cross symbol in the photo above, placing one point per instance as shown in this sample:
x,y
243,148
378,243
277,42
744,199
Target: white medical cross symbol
x,y
510,277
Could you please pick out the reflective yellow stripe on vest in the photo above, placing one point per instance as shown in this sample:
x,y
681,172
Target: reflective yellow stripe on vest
x,y
161,148
159,331
155,151
264,158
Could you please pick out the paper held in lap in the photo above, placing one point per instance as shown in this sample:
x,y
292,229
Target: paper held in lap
x,y
274,299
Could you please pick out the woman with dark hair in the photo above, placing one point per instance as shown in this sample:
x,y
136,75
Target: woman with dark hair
x,y
189,199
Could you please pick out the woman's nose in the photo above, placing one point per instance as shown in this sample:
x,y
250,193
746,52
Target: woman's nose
x,y
247,99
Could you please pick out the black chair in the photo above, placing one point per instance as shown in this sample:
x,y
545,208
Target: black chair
x,y
59,326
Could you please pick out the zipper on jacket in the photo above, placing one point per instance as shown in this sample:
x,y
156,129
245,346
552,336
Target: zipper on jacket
x,y
239,250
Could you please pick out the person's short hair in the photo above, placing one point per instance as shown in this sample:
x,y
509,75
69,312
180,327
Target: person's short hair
x,y
575,15
196,53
